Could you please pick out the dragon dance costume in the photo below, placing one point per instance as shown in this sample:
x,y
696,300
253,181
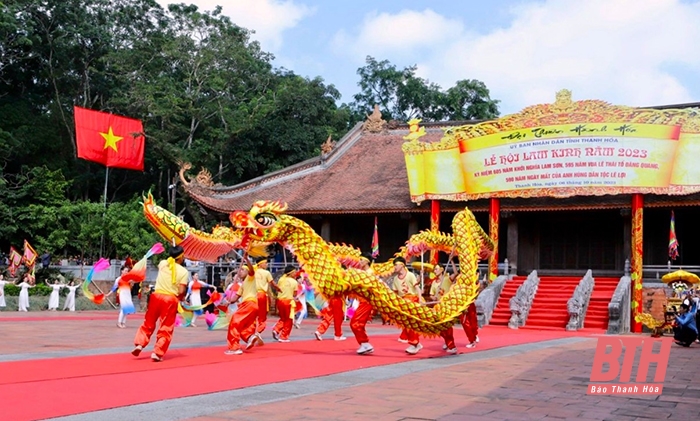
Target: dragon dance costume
x,y
333,270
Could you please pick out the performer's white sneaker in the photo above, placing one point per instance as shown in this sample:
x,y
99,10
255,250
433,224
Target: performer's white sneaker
x,y
137,350
233,352
275,336
318,336
444,346
403,341
258,340
156,358
251,342
365,348
451,351
477,339
339,338
471,345
284,341
413,349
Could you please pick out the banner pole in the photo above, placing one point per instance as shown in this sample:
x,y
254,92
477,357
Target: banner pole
x,y
104,204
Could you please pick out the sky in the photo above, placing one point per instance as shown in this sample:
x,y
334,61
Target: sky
x,y
625,52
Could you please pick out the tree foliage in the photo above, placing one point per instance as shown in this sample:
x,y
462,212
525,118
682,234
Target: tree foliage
x,y
401,95
206,93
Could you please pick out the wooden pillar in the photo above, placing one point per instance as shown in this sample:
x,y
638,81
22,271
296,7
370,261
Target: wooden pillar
x,y
434,226
326,230
512,242
637,260
494,220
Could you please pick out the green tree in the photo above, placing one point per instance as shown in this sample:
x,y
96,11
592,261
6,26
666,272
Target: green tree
x,y
401,95
37,197
303,115
127,231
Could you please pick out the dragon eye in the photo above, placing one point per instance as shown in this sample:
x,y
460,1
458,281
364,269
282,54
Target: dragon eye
x,y
265,219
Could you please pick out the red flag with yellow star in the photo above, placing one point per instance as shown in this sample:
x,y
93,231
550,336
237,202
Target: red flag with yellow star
x,y
111,140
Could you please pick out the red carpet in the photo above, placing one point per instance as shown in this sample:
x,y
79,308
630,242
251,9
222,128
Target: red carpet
x,y
501,314
597,314
549,306
64,386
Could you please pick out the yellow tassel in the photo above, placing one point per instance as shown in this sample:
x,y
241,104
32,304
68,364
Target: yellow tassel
x,y
173,273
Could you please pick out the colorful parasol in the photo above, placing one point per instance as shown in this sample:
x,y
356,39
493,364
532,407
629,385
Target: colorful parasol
x,y
681,275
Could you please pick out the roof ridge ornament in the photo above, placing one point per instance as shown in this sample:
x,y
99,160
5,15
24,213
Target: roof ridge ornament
x,y
327,146
374,122
203,178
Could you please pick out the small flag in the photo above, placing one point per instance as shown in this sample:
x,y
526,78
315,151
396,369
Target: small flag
x,y
109,139
672,240
15,260
375,240
29,256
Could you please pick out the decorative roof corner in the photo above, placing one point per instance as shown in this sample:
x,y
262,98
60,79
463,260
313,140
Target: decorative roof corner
x,y
375,123
203,179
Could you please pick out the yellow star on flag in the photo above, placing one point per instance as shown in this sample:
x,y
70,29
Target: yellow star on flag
x,y
111,139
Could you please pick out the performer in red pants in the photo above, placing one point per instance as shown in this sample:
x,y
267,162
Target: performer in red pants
x,y
362,315
287,287
242,324
470,325
170,289
263,279
334,312
405,285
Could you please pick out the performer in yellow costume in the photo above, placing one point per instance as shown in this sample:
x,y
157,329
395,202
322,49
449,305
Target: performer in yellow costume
x,y
287,287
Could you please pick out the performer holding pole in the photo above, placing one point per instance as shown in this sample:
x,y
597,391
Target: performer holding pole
x,y
287,287
170,289
242,324
406,286
263,278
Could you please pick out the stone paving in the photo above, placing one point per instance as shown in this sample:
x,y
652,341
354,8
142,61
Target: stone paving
x,y
545,380
545,383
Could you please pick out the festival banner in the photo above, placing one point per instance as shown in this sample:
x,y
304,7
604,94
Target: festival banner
x,y
15,260
30,255
560,150
375,240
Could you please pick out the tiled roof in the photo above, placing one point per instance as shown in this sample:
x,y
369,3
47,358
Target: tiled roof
x,y
366,173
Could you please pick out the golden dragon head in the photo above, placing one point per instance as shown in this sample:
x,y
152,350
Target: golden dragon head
x,y
261,223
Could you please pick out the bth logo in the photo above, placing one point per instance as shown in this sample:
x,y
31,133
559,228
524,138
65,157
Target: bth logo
x,y
622,372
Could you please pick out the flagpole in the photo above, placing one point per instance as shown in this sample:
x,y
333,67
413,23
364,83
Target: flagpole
x,y
105,192
104,204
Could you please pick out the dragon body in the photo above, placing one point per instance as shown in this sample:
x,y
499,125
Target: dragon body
x,y
324,263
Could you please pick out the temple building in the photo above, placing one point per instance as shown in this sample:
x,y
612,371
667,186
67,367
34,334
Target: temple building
x,y
557,222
